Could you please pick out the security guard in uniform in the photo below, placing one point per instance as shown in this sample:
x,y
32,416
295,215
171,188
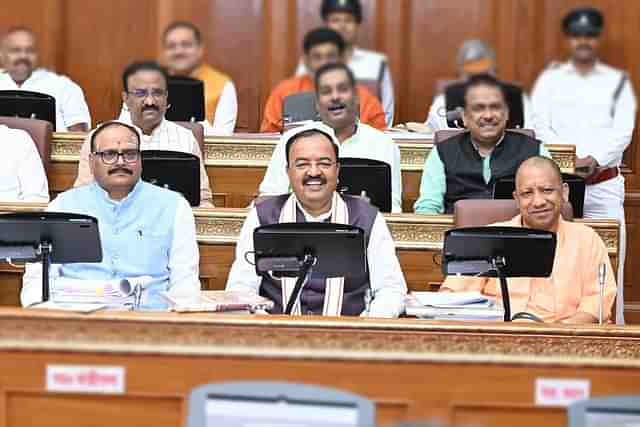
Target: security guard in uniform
x,y
591,105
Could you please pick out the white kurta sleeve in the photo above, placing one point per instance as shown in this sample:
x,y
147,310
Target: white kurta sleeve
x,y
242,276
387,95
541,99
224,120
31,175
184,257
276,180
437,120
73,105
388,287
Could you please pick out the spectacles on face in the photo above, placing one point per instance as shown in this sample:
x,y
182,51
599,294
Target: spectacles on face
x,y
143,93
110,157
304,165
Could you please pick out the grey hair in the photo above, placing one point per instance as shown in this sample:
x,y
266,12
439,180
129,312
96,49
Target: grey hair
x,y
472,50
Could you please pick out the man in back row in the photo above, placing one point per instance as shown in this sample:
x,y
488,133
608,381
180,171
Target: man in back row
x,y
345,17
145,94
19,56
337,102
183,51
468,165
571,293
321,46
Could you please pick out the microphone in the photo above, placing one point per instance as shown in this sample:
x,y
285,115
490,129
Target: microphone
x,y
602,273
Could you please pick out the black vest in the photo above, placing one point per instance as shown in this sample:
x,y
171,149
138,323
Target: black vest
x,y
463,165
361,214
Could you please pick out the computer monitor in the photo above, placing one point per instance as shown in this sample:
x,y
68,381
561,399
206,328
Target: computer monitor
x,y
267,404
620,411
28,105
504,188
372,177
186,99
454,99
339,249
173,170
299,107
499,252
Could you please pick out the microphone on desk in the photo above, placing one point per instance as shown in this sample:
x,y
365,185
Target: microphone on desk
x,y
602,273
134,286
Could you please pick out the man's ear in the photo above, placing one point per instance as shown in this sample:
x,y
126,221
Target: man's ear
x,y
565,192
125,96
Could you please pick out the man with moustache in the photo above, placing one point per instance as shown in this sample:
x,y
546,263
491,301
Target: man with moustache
x,y
571,293
183,51
19,56
312,163
345,17
145,230
468,165
337,102
591,105
321,46
145,94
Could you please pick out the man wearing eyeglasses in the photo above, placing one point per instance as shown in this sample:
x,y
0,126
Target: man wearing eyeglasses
x,y
145,230
145,94
312,164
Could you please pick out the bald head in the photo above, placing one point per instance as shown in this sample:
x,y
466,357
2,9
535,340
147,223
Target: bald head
x,y
541,163
540,193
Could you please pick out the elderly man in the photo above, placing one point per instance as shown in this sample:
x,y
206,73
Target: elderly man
x,y
19,56
345,17
313,165
22,176
571,293
468,165
592,106
145,93
337,102
145,230
183,51
321,46
474,57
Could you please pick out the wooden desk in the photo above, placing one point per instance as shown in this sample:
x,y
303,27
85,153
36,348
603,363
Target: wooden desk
x,y
236,165
418,240
466,374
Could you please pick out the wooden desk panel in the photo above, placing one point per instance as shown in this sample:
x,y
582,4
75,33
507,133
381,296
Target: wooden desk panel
x,y
236,165
410,369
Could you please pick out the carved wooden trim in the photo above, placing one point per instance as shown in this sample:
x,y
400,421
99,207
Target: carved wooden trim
x,y
255,151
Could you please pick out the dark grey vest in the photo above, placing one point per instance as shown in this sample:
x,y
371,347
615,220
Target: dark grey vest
x,y
463,165
361,214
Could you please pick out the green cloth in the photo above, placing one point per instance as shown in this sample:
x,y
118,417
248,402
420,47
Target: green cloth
x,y
434,184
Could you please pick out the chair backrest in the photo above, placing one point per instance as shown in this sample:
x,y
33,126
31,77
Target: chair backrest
x,y
372,86
607,411
444,134
41,132
479,212
241,403
198,132
299,107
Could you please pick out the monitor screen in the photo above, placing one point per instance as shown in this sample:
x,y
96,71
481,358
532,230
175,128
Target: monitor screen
x,y
263,412
601,417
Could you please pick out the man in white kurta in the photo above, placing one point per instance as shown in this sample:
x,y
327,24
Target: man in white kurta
x,y
592,106
20,58
22,176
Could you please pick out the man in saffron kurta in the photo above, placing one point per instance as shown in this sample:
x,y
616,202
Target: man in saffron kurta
x,y
571,294
321,46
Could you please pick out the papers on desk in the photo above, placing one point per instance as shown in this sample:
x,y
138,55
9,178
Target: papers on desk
x,y
74,307
452,306
218,301
67,292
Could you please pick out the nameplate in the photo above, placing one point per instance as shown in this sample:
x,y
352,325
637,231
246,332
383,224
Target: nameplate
x,y
560,392
86,379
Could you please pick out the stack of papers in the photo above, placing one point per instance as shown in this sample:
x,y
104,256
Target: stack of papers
x,y
218,301
74,291
452,306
